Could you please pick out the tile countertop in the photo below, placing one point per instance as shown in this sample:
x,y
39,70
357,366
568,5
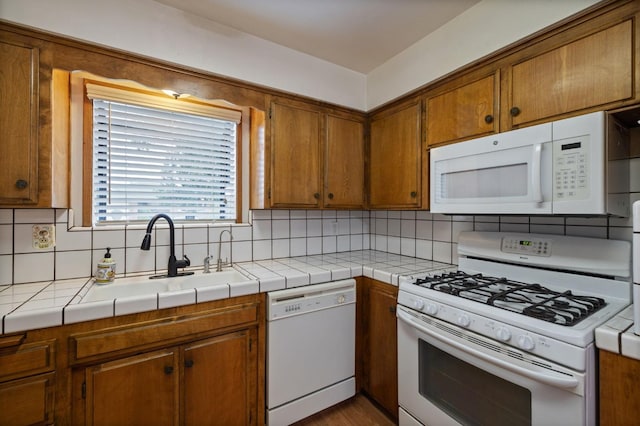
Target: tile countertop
x,y
53,303
616,335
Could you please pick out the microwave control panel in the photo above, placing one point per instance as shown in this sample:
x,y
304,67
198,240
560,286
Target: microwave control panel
x,y
570,169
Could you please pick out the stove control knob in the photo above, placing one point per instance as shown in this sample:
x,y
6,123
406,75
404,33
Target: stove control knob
x,y
526,342
463,320
418,304
503,334
431,308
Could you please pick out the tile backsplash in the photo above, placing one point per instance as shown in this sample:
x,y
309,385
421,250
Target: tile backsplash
x,y
270,234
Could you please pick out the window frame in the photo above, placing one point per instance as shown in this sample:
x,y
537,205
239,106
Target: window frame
x,y
165,101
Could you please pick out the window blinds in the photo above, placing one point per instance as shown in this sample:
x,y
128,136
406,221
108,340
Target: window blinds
x,y
150,160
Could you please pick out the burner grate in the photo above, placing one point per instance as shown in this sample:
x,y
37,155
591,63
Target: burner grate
x,y
532,300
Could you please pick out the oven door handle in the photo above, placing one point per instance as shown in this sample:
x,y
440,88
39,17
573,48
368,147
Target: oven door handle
x,y
552,380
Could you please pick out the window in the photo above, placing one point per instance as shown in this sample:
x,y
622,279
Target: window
x,y
153,154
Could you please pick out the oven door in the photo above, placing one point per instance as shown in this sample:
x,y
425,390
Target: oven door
x,y
449,376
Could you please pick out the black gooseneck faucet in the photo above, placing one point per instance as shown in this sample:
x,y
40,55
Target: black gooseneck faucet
x,y
174,264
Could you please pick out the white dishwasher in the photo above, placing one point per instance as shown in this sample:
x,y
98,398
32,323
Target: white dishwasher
x,y
310,349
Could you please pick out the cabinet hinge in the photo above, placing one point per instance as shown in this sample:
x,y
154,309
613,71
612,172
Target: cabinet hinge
x,y
250,344
269,193
84,390
269,112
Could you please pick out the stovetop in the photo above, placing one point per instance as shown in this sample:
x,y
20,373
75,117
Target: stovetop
x,y
530,299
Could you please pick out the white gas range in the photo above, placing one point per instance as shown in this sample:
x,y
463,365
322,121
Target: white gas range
x,y
507,337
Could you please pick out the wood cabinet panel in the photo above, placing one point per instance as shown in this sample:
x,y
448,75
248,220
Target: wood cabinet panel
x,y
619,390
396,162
137,390
129,337
344,163
18,124
220,380
466,111
295,152
588,72
27,401
27,359
380,348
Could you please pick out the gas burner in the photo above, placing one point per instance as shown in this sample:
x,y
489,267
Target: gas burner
x,y
533,300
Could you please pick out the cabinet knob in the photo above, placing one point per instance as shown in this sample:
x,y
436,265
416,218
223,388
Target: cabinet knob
x,y
188,363
488,118
316,196
331,196
392,309
514,111
414,194
168,370
21,184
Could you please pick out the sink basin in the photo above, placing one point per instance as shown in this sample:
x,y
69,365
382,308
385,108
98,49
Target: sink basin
x,y
140,286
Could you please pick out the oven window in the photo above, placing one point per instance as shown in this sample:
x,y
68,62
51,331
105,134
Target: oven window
x,y
468,394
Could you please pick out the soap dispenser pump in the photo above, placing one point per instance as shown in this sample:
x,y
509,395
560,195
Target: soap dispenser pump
x,y
106,271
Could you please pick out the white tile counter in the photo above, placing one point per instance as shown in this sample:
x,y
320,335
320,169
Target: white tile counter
x,y
616,335
53,303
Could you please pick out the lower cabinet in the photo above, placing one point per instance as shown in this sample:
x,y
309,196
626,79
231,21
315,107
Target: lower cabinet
x,y
619,390
379,343
27,401
210,381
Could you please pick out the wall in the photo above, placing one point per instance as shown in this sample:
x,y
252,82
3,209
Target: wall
x,y
153,29
271,234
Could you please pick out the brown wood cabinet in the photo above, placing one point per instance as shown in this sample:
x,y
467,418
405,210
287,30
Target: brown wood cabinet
x,y
18,124
619,394
317,158
586,71
379,343
34,127
464,112
27,380
397,159
212,379
344,163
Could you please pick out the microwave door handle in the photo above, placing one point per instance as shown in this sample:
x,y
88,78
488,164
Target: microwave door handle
x,y
536,173
549,379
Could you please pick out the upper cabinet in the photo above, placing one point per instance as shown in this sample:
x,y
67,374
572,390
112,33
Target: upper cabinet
x,y
34,128
295,157
465,111
594,70
397,160
314,158
18,124
344,163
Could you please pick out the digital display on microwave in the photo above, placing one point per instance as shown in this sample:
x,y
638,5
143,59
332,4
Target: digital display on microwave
x,y
525,243
571,146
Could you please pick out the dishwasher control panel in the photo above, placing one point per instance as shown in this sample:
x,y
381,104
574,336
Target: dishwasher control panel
x,y
301,300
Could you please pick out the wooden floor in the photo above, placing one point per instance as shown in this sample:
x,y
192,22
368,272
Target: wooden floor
x,y
357,411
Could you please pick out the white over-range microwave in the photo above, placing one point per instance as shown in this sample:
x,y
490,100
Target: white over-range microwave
x,y
563,167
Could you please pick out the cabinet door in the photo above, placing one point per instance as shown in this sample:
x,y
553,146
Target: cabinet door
x,y
464,112
220,380
619,390
27,401
139,390
592,71
18,124
380,345
396,159
295,157
344,163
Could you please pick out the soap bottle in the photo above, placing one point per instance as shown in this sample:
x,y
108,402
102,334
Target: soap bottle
x,y
106,271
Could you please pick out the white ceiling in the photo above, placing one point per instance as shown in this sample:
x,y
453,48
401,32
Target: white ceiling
x,y
356,34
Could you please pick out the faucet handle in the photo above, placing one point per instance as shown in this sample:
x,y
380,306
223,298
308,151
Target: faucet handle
x,y
186,260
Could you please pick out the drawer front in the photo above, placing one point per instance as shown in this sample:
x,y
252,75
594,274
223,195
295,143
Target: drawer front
x,y
161,332
27,401
27,359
